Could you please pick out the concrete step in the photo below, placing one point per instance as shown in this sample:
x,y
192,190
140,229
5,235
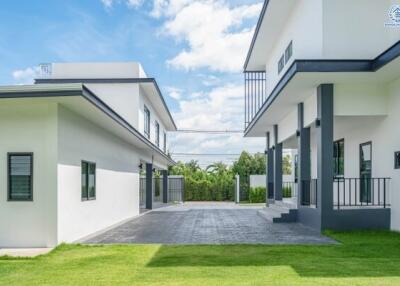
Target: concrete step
x,y
286,204
278,213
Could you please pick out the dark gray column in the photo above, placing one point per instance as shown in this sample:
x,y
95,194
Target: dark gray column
x,y
277,166
165,186
269,169
324,139
304,159
149,186
266,168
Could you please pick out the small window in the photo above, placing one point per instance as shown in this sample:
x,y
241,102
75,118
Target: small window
x,y
157,125
165,142
397,160
338,158
288,52
146,121
281,64
88,181
20,176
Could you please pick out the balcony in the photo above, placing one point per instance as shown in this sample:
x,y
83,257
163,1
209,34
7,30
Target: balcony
x,y
255,94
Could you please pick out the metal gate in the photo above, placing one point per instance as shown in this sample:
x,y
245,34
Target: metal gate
x,y
176,188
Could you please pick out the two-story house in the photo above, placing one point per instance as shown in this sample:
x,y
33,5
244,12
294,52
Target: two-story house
x,y
323,77
73,146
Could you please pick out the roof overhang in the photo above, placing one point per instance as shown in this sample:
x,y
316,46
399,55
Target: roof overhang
x,y
149,85
79,99
269,26
304,76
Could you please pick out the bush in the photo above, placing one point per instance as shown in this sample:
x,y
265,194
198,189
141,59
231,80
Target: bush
x,y
287,192
257,195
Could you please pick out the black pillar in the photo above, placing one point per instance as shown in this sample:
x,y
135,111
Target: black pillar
x,y
149,186
277,166
165,186
324,138
304,160
268,170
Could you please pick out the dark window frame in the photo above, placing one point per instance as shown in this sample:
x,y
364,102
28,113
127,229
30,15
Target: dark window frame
x,y
396,161
9,155
165,142
88,197
289,52
146,121
157,132
336,158
281,63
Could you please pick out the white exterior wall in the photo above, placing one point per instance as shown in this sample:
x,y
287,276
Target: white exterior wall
x,y
304,28
351,28
29,126
117,178
143,100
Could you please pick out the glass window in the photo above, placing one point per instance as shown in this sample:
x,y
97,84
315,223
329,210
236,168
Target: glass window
x,y
88,176
165,142
157,125
20,176
146,121
281,64
338,158
288,52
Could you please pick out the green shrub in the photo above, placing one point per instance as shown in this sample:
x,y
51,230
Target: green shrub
x,y
257,195
287,192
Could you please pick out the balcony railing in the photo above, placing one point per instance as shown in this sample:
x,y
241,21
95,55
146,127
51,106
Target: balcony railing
x,y
255,94
367,192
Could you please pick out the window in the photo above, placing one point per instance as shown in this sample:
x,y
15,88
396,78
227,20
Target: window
x,y
165,142
281,64
20,176
338,158
146,121
288,52
157,125
88,181
397,160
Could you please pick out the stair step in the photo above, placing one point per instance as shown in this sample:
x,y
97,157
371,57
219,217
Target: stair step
x,y
278,208
286,204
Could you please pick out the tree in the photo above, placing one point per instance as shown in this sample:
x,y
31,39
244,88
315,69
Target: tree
x,y
287,165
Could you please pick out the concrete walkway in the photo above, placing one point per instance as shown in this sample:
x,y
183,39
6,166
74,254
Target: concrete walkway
x,y
24,252
208,223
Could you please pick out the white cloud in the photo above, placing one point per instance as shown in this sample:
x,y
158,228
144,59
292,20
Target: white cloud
x,y
214,32
25,76
174,92
219,109
130,3
107,3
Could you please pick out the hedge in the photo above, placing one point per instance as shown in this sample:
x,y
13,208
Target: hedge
x,y
257,195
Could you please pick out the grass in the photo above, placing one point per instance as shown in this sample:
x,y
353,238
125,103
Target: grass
x,y
362,258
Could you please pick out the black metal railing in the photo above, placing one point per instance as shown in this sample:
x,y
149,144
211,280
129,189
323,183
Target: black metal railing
x,y
289,189
361,192
255,94
309,193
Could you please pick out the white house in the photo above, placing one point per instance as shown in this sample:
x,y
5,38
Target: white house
x,y
73,145
323,77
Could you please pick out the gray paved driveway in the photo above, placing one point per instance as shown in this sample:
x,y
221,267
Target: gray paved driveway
x,y
207,223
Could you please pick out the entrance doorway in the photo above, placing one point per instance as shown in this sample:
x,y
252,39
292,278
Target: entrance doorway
x,y
365,172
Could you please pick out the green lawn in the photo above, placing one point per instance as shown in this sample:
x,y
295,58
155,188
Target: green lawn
x,y
363,258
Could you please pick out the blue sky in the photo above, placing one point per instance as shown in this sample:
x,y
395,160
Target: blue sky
x,y
195,50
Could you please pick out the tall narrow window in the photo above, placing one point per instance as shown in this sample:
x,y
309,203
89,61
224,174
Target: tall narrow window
x,y
88,180
20,176
146,121
157,130
281,63
165,142
338,158
288,52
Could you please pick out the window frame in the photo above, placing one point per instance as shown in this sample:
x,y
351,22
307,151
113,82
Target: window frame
x,y
165,142
88,197
9,155
147,121
289,52
281,64
336,159
157,133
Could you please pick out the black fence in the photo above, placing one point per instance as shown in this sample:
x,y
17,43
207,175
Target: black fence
x,y
361,192
309,193
289,189
255,94
176,187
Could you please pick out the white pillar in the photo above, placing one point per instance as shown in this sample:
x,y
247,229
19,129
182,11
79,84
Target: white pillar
x,y
237,197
